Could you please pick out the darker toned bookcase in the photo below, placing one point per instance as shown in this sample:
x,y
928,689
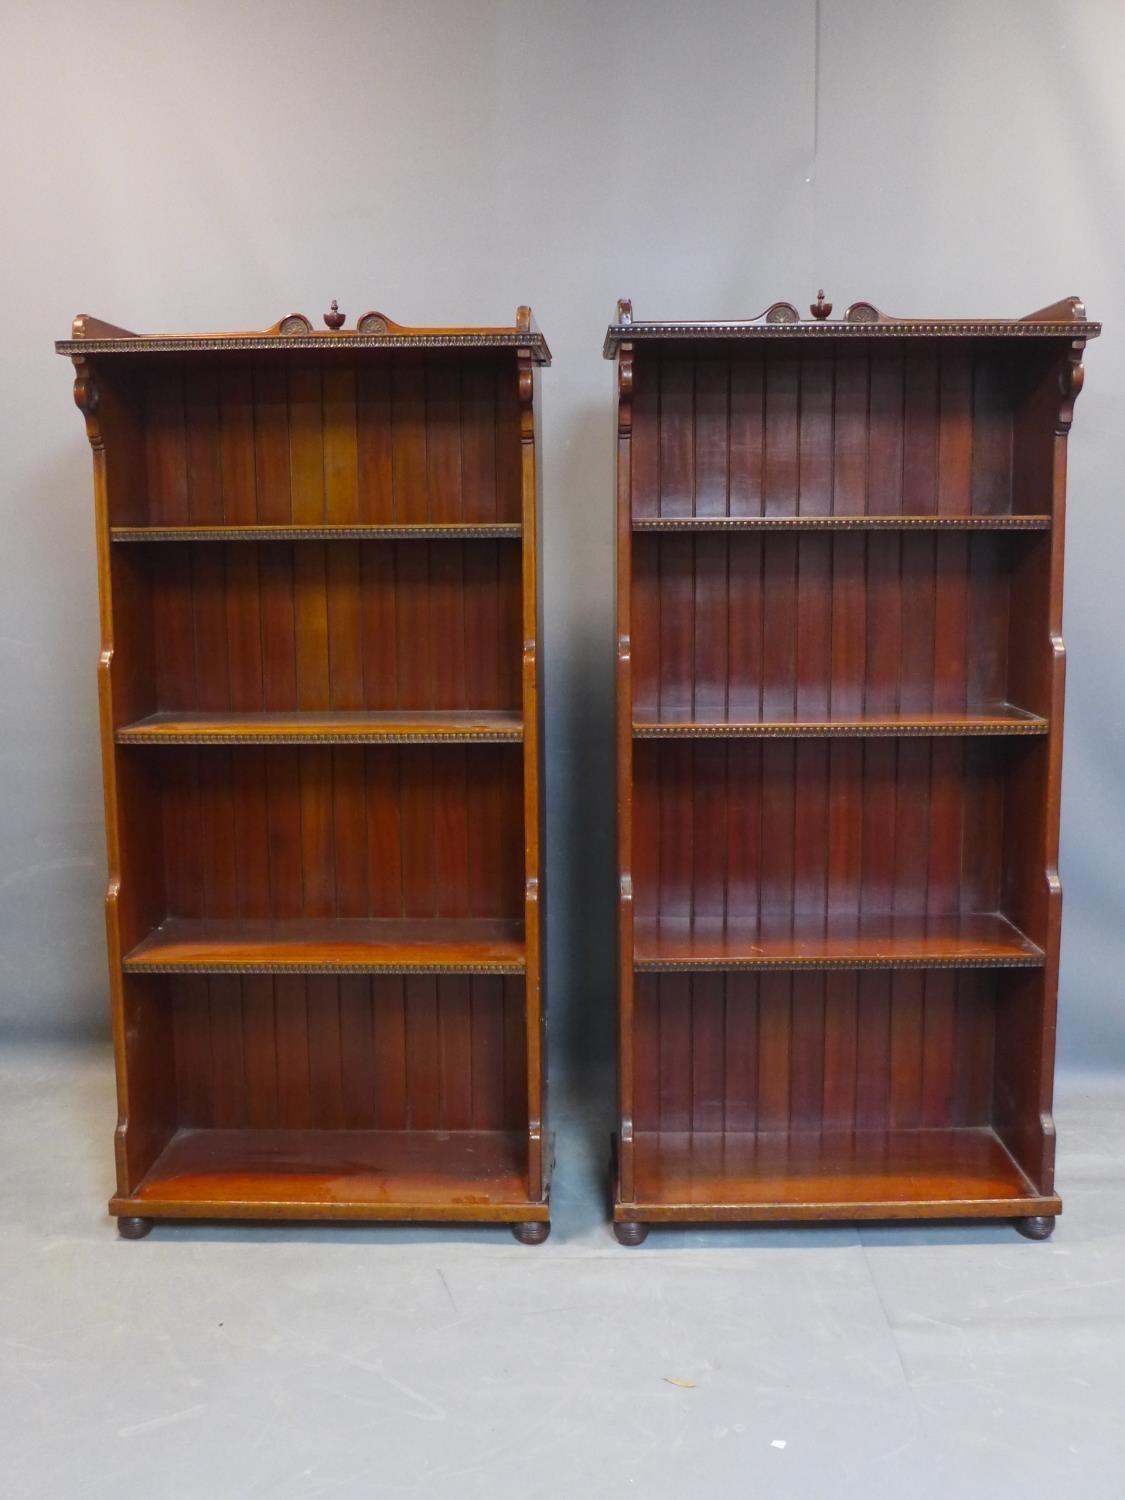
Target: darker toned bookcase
x,y
839,698
320,700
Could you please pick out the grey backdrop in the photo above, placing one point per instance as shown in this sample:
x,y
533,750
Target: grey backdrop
x,y
215,165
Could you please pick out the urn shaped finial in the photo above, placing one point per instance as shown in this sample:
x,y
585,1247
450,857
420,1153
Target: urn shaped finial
x,y
820,309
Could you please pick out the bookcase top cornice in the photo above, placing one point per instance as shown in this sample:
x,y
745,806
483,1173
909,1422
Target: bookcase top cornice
x,y
373,330
1064,319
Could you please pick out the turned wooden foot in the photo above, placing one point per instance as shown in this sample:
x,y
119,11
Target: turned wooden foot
x,y
532,1232
133,1229
630,1232
1037,1227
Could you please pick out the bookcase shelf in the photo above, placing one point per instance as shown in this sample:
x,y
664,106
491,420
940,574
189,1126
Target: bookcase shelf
x,y
341,945
320,702
799,941
827,522
421,727
1001,719
839,698
422,532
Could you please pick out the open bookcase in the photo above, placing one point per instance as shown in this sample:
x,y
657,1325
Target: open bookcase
x,y
839,698
319,686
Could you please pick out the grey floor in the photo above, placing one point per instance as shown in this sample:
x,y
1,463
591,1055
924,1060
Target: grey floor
x,y
208,1362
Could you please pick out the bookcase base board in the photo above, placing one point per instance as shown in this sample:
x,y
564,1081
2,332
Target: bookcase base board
x,y
396,1175
1034,1218
773,1177
130,1212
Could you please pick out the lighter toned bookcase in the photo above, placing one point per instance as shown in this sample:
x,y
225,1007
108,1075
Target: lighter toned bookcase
x,y
320,710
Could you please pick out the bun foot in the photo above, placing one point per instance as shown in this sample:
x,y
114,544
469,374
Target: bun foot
x,y
532,1232
1037,1227
133,1229
629,1232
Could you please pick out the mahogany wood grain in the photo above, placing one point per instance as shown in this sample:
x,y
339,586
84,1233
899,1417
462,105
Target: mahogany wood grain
x,y
331,944
880,1174
839,698
422,531
388,1051
637,405
831,523
357,727
798,940
321,719
813,648
855,1026
351,626
929,836
372,831
523,408
409,1175
1002,719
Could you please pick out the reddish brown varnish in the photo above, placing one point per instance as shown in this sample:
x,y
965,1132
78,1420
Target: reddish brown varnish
x,y
839,696
320,732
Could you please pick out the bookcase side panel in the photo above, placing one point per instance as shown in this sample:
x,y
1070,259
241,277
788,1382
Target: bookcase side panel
x,y
134,892
637,479
1026,1054
526,381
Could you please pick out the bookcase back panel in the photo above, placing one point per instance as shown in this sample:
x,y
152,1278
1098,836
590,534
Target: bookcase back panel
x,y
814,1051
813,625
332,440
341,831
726,831
417,1052
334,625
910,430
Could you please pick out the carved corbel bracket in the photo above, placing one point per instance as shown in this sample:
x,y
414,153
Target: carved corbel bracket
x,y
526,388
625,390
1071,375
86,398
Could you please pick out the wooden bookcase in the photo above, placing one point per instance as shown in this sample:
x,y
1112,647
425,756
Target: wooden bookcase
x,y
839,698
320,698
